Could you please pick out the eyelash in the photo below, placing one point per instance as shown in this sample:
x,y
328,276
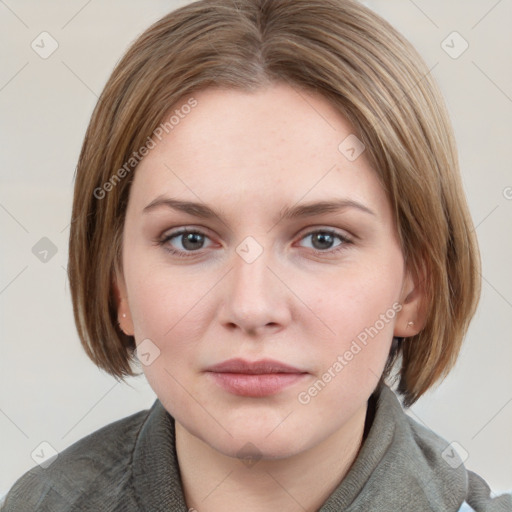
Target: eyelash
x,y
188,254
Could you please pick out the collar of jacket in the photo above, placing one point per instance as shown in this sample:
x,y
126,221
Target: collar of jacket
x,y
401,466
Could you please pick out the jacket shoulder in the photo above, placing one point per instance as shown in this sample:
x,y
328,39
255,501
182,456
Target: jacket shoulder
x,y
439,451
94,467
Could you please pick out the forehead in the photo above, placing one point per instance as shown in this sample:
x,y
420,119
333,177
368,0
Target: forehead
x,y
279,143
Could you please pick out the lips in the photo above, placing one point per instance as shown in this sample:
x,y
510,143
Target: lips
x,y
254,378
262,366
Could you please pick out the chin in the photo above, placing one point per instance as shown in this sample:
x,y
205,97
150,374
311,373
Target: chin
x,y
258,439
256,447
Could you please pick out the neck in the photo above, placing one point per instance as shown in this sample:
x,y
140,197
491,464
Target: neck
x,y
213,481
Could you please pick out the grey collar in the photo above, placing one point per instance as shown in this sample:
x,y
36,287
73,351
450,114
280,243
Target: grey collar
x,y
400,466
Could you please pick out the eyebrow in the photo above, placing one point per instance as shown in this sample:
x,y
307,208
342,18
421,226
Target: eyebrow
x,y
287,213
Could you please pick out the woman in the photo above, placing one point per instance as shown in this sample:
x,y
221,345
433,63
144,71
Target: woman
x,y
268,216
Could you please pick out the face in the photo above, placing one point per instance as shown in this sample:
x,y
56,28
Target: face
x,y
226,257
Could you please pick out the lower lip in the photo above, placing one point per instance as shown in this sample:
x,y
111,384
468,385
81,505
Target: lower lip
x,y
255,385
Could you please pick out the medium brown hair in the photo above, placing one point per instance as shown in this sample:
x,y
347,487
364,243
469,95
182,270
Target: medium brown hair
x,y
368,71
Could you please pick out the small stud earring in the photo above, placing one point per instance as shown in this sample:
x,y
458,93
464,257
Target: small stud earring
x,y
410,324
124,315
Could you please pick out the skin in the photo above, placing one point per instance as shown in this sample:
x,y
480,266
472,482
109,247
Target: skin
x,y
248,156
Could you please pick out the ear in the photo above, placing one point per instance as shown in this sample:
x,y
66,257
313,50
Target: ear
x,y
124,317
412,317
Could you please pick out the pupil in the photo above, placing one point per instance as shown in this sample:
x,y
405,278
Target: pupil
x,y
190,239
323,238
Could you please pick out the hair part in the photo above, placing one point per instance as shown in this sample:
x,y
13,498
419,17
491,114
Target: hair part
x,y
368,71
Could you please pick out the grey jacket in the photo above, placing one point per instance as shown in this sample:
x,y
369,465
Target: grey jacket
x,y
131,465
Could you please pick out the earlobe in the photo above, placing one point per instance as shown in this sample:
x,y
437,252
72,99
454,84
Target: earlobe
x,y
411,318
124,318
126,324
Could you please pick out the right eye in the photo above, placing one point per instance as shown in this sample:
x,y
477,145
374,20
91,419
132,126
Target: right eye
x,y
184,242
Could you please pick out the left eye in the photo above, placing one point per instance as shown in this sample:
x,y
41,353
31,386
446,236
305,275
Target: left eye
x,y
323,240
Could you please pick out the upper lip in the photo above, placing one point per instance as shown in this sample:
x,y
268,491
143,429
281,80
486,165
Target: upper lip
x,y
262,366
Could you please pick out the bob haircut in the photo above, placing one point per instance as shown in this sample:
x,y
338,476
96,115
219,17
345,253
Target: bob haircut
x,y
370,73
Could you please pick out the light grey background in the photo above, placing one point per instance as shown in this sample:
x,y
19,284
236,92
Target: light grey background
x,y
50,391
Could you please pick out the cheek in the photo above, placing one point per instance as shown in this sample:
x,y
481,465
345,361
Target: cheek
x,y
172,308
356,299
162,298
167,309
360,312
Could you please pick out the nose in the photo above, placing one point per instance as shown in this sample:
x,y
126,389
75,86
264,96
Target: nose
x,y
256,300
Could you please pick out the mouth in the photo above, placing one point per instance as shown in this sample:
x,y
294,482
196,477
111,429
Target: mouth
x,y
254,378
